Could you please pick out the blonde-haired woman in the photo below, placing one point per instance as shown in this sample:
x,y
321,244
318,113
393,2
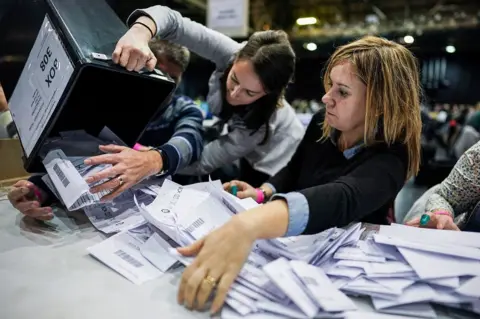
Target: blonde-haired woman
x,y
350,165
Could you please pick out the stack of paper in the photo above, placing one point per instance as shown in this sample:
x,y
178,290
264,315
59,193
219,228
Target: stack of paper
x,y
404,270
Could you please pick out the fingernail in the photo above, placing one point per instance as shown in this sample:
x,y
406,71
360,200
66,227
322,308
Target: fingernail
x,y
89,179
87,162
26,190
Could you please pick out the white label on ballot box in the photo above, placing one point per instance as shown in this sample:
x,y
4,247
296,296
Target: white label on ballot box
x,y
40,87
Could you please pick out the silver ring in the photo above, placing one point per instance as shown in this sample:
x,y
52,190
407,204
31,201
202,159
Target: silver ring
x,y
120,181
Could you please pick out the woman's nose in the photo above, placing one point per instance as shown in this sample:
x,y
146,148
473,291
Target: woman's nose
x,y
235,91
327,100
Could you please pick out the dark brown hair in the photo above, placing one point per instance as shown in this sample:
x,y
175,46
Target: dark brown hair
x,y
273,60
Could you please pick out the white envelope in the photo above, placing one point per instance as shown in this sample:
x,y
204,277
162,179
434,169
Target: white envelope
x,y
416,293
280,273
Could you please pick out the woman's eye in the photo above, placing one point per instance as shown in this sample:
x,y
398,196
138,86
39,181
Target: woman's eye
x,y
343,93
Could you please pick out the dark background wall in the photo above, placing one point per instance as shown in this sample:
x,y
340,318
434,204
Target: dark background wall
x,y
455,77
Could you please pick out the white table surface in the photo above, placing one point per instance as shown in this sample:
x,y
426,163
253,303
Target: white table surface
x,y
46,273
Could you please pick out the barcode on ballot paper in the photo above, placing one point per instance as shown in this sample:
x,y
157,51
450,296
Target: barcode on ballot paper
x,y
60,175
129,259
199,222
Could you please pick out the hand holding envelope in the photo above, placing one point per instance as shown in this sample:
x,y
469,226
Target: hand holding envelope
x,y
220,257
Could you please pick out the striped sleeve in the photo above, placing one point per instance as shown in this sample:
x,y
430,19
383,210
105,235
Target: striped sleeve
x,y
186,144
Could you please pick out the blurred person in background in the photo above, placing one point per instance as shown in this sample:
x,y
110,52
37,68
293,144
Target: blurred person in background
x,y
175,135
353,160
246,90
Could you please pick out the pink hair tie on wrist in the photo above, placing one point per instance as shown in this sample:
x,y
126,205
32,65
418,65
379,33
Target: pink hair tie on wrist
x,y
137,147
37,193
443,212
260,197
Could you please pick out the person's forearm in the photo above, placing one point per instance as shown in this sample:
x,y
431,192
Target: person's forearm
x,y
266,221
147,21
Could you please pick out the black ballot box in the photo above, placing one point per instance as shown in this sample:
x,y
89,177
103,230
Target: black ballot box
x,y
69,82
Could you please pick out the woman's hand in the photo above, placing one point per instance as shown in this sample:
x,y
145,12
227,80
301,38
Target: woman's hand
x,y
220,257
27,198
244,190
436,221
129,168
132,50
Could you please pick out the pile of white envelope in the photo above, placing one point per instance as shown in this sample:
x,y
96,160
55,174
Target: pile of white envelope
x,y
404,270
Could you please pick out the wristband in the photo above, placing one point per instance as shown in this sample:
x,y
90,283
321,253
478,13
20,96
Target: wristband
x,y
260,196
37,193
146,26
443,212
137,147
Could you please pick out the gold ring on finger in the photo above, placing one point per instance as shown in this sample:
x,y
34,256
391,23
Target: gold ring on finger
x,y
210,281
120,181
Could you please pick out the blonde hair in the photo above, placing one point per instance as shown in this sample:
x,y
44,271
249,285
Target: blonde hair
x,y
390,72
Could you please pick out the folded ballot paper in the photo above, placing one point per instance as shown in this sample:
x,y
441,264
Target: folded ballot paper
x,y
404,270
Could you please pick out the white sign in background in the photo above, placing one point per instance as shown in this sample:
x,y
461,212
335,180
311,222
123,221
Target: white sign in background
x,y
230,17
42,83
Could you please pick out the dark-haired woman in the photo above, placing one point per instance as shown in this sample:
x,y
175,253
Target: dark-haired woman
x,y
246,91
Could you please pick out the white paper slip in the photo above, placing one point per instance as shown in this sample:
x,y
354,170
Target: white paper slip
x,y
68,176
369,315
253,277
208,215
390,267
470,288
320,288
371,248
416,293
165,211
239,307
431,236
449,282
66,179
445,266
354,253
372,288
347,272
121,252
229,313
183,259
397,285
253,294
155,250
247,301
448,295
248,285
119,214
290,311
417,310
450,250
280,273
352,233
